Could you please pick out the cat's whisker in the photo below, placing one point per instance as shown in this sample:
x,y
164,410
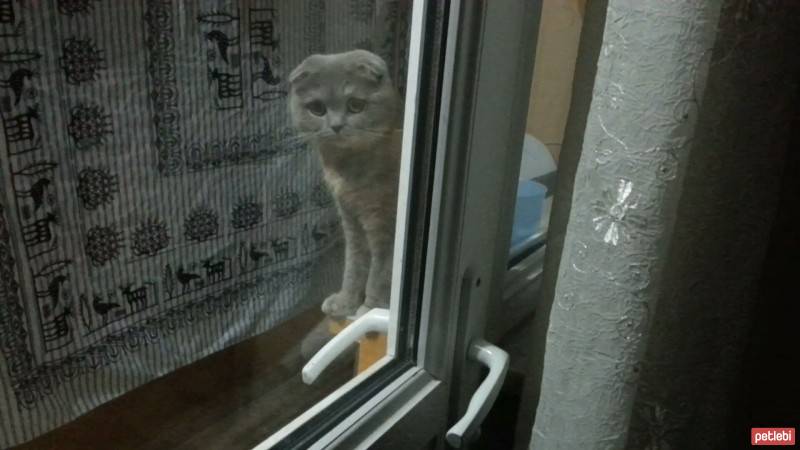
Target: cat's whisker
x,y
307,135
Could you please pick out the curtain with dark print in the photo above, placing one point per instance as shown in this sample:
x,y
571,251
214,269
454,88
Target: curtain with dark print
x,y
667,221
156,206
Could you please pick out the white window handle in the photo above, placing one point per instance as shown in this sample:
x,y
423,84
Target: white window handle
x,y
496,359
374,320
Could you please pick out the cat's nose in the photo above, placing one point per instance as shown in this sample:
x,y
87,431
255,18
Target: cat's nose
x,y
337,128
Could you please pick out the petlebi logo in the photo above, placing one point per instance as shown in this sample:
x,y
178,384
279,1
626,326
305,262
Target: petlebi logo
x,y
772,436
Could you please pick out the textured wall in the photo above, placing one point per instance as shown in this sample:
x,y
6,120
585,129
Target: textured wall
x,y
556,52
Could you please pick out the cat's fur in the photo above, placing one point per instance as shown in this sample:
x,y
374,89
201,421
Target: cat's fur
x,y
360,154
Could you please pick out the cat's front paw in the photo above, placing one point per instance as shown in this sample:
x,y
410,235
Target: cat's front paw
x,y
341,304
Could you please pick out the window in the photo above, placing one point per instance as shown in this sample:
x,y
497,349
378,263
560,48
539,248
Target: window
x,y
187,232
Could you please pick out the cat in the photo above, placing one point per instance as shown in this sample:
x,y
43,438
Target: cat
x,y
347,108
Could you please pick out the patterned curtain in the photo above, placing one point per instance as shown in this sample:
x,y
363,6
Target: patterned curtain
x,y
156,206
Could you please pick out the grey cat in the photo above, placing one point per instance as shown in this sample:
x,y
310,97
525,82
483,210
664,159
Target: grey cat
x,y
346,106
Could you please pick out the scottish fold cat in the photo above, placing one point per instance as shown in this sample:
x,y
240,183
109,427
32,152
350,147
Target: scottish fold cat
x,y
346,107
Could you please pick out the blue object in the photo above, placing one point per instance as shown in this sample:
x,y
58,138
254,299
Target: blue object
x,y
527,212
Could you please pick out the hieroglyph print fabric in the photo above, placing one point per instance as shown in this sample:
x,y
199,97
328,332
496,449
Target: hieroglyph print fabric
x,y
156,206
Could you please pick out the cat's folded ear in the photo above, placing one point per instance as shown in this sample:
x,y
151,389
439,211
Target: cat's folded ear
x,y
302,71
298,74
370,66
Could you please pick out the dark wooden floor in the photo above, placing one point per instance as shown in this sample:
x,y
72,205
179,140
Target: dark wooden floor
x,y
230,400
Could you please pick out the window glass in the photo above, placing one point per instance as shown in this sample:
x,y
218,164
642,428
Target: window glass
x,y
196,197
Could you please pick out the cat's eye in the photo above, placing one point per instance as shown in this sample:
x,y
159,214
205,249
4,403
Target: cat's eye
x,y
316,108
355,105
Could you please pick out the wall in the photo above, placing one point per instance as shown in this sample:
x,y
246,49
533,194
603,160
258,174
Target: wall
x,y
556,51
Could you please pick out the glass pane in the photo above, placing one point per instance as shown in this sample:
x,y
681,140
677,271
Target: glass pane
x,y
192,205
